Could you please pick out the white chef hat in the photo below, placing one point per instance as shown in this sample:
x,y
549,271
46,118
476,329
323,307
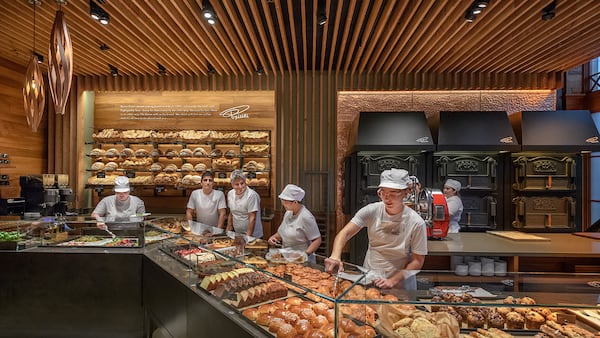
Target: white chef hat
x,y
292,192
394,179
121,184
454,184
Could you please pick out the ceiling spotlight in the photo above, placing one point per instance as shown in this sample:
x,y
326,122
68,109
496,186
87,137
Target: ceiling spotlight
x,y
95,10
321,19
211,70
260,70
99,14
469,16
105,19
114,71
549,12
321,13
104,47
208,12
482,3
161,69
40,57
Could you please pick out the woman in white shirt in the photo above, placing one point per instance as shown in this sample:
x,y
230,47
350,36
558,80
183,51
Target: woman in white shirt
x,y
455,206
298,229
244,207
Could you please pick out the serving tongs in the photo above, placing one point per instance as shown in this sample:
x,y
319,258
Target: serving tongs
x,y
110,232
336,283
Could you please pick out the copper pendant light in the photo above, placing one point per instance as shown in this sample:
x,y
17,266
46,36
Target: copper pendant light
x,y
34,97
60,61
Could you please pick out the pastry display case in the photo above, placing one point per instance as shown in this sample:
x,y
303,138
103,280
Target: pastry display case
x,y
279,296
15,235
58,231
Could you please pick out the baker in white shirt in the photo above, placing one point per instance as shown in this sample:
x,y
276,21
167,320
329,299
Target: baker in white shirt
x,y
298,229
455,206
244,207
207,204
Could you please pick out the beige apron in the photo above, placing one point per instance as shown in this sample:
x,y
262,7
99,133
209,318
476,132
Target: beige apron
x,y
389,248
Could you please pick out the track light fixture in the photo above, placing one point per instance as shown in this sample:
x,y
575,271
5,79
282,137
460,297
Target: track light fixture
x,y
161,69
475,9
208,13
549,12
99,14
321,14
260,70
211,70
40,57
114,71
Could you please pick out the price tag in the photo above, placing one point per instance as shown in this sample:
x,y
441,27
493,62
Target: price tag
x,y
101,174
99,189
251,175
287,277
159,188
222,175
130,173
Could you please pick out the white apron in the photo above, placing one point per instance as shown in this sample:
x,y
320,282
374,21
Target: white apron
x,y
389,248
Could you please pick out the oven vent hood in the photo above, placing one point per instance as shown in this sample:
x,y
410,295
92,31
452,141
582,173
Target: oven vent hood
x,y
476,131
392,131
569,131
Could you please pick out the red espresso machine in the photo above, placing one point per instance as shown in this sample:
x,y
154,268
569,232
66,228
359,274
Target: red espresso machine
x,y
431,205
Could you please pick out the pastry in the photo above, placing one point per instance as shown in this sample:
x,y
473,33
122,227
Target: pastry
x,y
421,327
286,331
404,332
171,168
170,153
251,313
199,152
111,153
514,321
200,168
140,153
97,152
156,167
111,166
527,301
187,168
156,153
495,320
230,154
216,153
503,311
534,320
185,152
475,319
126,153
97,166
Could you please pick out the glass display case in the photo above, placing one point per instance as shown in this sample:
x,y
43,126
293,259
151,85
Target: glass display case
x,y
286,295
82,231
16,235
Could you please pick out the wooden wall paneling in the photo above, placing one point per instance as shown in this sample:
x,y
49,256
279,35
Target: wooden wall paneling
x,y
26,149
594,101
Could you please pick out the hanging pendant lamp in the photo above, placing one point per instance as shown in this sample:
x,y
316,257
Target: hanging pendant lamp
x,y
34,97
60,61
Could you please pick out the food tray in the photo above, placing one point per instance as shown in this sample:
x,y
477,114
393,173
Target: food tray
x,y
101,241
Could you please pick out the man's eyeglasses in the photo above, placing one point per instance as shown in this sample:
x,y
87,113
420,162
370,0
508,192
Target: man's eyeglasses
x,y
389,193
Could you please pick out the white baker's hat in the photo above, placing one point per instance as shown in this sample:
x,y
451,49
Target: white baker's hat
x,y
394,179
121,184
454,184
292,192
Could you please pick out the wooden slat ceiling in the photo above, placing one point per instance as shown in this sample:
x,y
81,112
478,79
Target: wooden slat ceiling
x,y
360,36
